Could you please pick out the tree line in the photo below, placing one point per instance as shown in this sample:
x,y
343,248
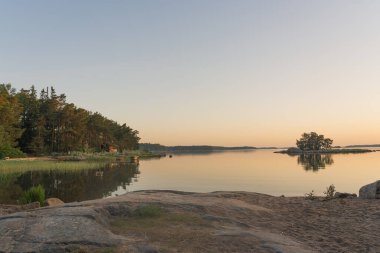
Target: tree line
x,y
45,123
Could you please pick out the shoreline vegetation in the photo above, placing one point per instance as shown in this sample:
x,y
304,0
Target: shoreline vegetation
x,y
364,146
296,151
46,124
75,161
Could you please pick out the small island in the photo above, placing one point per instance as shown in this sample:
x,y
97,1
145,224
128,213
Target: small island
x,y
313,143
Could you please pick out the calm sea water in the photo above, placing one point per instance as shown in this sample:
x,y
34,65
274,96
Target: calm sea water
x,y
257,171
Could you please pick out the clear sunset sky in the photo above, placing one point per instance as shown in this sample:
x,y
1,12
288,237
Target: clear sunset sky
x,y
205,71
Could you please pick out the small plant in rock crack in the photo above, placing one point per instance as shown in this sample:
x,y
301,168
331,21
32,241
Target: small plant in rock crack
x,y
310,195
330,191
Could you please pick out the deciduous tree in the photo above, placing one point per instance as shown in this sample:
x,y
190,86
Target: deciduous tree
x,y
313,141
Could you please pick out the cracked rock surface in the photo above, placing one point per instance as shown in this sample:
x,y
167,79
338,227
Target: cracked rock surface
x,y
196,222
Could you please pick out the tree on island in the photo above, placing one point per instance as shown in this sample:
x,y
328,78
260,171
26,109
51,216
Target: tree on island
x,y
313,141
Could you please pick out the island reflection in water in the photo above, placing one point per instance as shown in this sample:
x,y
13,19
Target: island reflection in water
x,y
315,162
70,186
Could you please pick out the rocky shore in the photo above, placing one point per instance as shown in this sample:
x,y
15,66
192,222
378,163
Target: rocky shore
x,y
168,221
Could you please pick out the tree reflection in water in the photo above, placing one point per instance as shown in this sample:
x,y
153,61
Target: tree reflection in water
x,y
314,162
71,186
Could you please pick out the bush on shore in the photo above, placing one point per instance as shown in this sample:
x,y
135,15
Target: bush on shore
x,y
7,151
36,193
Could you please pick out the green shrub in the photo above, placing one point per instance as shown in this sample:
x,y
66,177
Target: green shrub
x,y
7,151
36,193
147,211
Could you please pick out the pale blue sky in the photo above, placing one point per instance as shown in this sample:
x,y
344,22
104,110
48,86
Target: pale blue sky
x,y
205,72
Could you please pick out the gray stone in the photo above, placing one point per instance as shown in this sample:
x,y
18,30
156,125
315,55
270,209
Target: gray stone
x,y
55,229
343,195
370,191
118,210
144,248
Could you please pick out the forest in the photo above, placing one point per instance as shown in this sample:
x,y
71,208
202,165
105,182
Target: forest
x,y
44,123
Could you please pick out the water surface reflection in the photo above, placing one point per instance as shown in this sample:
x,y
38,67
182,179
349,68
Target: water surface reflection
x,y
260,171
315,162
256,171
70,185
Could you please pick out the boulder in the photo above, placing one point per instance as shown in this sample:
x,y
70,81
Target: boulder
x,y
370,191
343,195
53,202
58,230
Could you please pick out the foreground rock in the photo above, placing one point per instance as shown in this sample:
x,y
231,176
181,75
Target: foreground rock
x,y
370,191
7,209
167,221
343,195
55,230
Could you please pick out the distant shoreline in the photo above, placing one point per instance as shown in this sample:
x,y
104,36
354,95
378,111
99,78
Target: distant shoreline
x,y
195,148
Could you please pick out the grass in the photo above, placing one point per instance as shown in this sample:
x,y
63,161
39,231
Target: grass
x,y
152,225
171,230
17,166
90,157
147,211
74,161
36,193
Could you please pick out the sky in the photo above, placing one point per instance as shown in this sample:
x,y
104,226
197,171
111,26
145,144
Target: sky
x,y
217,72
